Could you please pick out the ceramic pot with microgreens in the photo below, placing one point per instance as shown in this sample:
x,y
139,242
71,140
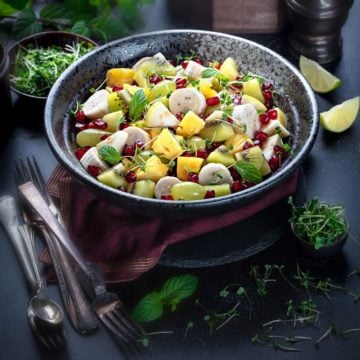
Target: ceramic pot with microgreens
x,y
294,98
321,229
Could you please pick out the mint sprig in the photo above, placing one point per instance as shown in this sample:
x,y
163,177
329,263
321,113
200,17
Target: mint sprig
x,y
137,105
109,154
173,291
248,171
209,72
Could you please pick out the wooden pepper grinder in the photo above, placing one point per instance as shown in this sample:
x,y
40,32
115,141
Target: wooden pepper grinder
x,y
316,27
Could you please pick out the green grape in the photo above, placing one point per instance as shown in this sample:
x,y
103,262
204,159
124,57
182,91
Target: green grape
x,y
188,190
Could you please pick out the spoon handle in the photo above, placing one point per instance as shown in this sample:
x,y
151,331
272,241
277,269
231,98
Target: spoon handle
x,y
10,219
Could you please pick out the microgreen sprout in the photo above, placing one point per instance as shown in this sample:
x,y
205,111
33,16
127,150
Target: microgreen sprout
x,y
262,279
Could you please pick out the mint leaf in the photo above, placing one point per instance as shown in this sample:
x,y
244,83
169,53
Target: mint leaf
x,y
149,308
81,28
208,73
55,11
109,154
26,24
137,105
248,171
178,288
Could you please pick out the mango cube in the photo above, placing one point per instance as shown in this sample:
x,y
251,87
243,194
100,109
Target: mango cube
x,y
166,145
187,164
119,76
236,143
205,86
190,125
153,169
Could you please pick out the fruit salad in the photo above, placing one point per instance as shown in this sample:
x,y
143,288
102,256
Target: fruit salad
x,y
181,130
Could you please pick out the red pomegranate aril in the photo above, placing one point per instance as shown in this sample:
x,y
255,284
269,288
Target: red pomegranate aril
x,y
180,83
104,137
202,154
274,162
247,145
278,150
236,86
179,115
154,79
268,95
209,194
97,124
184,64
260,135
269,104
93,170
116,88
80,116
130,177
79,127
80,152
237,99
213,101
237,186
256,142
264,118
267,86
139,144
230,120
239,78
166,197
273,114
123,126
247,184
187,153
193,177
234,174
172,62
129,150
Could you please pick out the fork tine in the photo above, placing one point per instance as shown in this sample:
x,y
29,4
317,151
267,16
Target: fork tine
x,y
40,179
123,317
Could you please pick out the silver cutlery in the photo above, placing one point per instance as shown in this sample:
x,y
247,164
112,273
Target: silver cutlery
x,y
108,306
45,315
78,308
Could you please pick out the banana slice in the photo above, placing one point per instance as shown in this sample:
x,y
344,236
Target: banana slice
x,y
159,116
117,140
136,134
268,146
246,119
215,174
182,100
164,185
92,158
194,70
96,105
276,127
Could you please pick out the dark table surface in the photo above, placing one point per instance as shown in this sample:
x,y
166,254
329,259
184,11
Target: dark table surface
x,y
332,173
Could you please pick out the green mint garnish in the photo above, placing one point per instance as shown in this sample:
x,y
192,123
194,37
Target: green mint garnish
x,y
109,154
248,171
209,72
137,105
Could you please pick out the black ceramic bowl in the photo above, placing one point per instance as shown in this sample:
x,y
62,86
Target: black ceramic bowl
x,y
297,99
23,102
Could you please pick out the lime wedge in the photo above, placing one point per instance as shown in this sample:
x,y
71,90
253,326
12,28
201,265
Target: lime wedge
x,y
340,117
319,78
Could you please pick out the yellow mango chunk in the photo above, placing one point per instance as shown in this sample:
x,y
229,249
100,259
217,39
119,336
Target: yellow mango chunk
x,y
154,132
229,69
166,145
186,164
206,89
252,88
236,143
119,76
190,125
153,170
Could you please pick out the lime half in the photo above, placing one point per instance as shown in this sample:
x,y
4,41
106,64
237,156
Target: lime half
x,y
340,117
319,78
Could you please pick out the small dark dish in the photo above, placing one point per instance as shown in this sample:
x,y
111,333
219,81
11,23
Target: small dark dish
x,y
296,98
23,101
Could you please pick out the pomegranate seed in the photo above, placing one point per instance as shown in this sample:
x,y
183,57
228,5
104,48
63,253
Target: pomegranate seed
x,y
247,145
154,79
274,162
209,194
166,197
97,124
116,88
273,114
172,62
187,153
234,174
123,126
267,95
202,116
80,152
264,118
237,186
79,127
129,150
180,83
184,64
247,184
267,85
93,170
202,154
213,146
139,144
193,177
80,116
261,136
230,120
256,142
239,78
130,177
213,101
280,151
269,104
179,115
104,137
237,99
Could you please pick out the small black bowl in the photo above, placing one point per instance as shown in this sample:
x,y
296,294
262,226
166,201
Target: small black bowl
x,y
29,109
325,251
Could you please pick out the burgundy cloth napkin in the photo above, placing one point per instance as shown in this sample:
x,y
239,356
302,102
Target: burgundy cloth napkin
x,y
124,244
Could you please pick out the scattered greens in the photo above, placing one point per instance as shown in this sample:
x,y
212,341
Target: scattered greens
x,y
109,154
137,105
318,223
248,171
36,69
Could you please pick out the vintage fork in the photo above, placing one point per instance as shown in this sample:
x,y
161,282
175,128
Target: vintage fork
x,y
108,306
80,313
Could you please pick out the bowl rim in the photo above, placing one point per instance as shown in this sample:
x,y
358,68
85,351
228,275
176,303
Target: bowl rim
x,y
32,38
280,176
